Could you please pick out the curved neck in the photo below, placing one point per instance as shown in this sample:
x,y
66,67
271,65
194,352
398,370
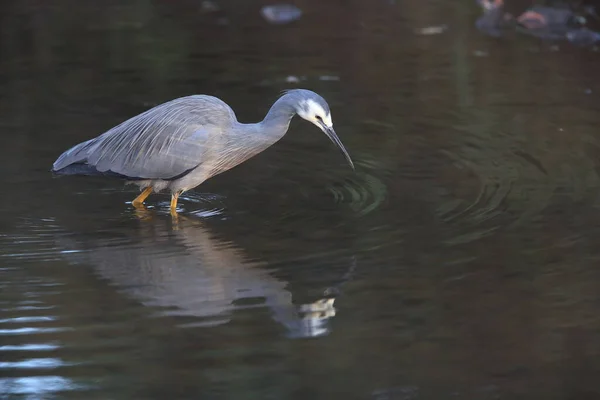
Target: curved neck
x,y
258,136
279,116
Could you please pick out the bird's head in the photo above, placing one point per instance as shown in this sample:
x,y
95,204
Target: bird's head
x,y
313,108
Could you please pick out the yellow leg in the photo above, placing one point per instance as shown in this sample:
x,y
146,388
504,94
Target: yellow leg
x,y
139,201
174,198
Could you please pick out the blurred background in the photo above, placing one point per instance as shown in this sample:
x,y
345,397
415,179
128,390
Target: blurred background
x,y
459,260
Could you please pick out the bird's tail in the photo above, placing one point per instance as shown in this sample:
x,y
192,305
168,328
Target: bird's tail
x,y
79,169
76,155
75,162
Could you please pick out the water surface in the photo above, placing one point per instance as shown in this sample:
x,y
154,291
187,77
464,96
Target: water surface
x,y
460,260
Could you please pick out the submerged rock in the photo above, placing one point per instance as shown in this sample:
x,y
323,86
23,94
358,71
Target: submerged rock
x,y
549,23
208,6
281,13
432,30
583,37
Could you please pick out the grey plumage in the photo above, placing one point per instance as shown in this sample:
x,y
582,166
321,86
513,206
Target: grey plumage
x,y
181,143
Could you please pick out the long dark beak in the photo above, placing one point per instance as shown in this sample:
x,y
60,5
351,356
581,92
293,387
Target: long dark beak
x,y
335,139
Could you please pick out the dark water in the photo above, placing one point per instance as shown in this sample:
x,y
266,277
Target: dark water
x,y
462,255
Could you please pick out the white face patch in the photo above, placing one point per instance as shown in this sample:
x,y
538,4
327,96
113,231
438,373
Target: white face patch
x,y
327,120
312,109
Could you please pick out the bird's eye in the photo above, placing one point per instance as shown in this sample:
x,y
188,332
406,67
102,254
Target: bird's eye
x,y
318,117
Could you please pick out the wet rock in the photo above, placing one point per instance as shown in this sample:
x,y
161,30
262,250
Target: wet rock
x,y
329,78
281,13
548,22
494,21
208,6
583,37
537,17
292,79
431,30
400,393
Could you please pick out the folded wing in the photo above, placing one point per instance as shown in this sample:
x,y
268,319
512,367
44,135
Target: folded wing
x,y
164,142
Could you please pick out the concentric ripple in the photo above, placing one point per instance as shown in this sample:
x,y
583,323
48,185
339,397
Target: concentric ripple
x,y
492,191
363,192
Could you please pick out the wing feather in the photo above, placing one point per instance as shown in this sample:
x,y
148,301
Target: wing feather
x,y
161,143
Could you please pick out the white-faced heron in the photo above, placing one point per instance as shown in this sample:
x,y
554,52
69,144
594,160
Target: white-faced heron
x,y
179,144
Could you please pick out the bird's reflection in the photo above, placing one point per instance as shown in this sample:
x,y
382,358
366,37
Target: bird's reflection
x,y
182,268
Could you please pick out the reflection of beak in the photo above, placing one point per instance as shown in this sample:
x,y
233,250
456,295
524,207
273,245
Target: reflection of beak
x,y
335,139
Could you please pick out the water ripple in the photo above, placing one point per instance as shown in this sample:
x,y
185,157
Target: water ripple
x,y
364,191
26,319
486,205
31,331
27,308
38,385
34,363
30,347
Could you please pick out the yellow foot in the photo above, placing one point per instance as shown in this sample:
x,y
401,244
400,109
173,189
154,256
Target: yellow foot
x,y
139,201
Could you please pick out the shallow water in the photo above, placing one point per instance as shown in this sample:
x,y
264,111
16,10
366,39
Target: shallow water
x,y
461,255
